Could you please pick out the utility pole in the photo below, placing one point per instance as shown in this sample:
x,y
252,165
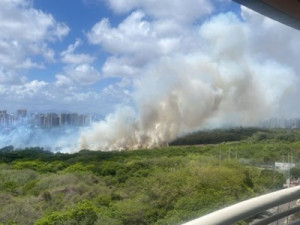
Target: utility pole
x,y
273,176
273,181
289,170
289,181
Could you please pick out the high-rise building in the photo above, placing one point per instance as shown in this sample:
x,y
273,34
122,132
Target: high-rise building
x,y
74,119
6,119
65,119
40,120
3,112
21,112
83,120
21,116
295,123
52,120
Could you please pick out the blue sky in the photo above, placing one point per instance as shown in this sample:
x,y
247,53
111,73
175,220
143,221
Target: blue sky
x,y
93,56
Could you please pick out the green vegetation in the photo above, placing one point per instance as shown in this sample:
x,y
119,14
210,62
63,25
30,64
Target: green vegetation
x,y
168,185
237,134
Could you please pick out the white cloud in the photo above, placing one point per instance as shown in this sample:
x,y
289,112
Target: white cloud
x,y
22,92
59,31
181,11
22,22
79,69
40,95
68,56
10,77
138,36
132,35
120,67
25,32
83,74
63,81
29,89
136,42
115,91
271,39
219,39
28,64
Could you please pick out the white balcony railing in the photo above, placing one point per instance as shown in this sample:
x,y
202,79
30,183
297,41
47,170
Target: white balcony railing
x,y
248,208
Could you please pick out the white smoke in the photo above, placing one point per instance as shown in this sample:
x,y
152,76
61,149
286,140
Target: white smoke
x,y
218,84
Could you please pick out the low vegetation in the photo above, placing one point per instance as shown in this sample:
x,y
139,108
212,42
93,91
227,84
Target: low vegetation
x,y
168,185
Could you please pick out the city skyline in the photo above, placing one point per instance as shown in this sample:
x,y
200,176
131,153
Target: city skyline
x,y
54,118
48,120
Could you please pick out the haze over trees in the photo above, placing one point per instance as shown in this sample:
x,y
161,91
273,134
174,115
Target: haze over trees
x,y
159,186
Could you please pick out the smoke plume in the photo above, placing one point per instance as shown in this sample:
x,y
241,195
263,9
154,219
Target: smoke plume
x,y
217,84
60,139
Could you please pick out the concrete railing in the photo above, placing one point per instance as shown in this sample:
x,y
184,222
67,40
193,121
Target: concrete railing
x,y
248,208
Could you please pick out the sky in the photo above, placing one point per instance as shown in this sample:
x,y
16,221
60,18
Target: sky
x,y
95,56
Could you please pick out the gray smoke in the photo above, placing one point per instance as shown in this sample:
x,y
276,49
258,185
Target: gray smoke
x,y
218,84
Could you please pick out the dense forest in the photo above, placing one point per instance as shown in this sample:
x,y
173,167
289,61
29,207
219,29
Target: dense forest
x,y
237,134
168,185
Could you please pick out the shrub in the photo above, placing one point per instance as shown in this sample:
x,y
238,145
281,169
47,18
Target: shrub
x,y
81,214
